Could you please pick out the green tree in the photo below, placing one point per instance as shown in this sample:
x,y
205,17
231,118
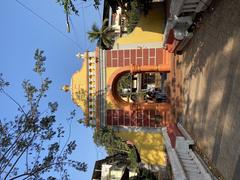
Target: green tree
x,y
133,16
107,138
127,154
70,8
30,143
104,35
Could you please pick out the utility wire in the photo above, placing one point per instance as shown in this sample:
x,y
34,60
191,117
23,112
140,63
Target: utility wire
x,y
48,23
87,6
74,30
81,4
100,17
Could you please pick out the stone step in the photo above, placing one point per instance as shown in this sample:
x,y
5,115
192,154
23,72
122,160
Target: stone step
x,y
191,4
187,10
191,169
191,1
192,164
185,158
196,177
188,161
184,155
192,175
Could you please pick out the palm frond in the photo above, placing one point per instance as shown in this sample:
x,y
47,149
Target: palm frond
x,y
103,35
93,37
107,41
95,28
105,22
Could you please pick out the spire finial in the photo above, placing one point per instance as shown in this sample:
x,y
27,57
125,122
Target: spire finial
x,y
66,88
79,55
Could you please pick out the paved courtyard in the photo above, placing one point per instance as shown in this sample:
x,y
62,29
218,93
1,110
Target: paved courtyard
x,y
211,87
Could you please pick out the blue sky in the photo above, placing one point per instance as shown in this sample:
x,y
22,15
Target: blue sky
x,y
20,34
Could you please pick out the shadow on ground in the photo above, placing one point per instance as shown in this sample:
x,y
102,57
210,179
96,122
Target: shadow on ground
x,y
211,68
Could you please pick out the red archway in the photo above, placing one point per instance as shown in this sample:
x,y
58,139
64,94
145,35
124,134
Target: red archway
x,y
112,85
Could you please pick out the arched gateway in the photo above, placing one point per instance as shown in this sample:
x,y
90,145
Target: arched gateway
x,y
126,89
139,64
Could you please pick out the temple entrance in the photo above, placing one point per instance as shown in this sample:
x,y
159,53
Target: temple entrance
x,y
149,87
136,87
141,98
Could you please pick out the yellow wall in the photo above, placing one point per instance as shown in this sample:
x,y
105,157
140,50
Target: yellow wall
x,y
109,72
79,83
150,146
79,87
150,28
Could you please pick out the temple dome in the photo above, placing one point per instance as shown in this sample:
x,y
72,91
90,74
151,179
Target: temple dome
x,y
79,86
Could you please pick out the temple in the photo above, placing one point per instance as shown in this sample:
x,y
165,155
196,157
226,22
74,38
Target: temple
x,y
128,88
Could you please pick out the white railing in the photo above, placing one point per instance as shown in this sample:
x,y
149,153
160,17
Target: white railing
x,y
188,6
177,169
185,164
185,134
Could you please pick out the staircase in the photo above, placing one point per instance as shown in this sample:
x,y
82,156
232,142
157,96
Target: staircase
x,y
184,163
188,6
193,168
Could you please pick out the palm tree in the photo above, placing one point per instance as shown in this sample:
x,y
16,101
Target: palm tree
x,y
104,35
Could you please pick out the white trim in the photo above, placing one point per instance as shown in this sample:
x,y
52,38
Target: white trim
x,y
123,57
155,54
111,59
148,56
185,134
130,57
118,58
177,170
